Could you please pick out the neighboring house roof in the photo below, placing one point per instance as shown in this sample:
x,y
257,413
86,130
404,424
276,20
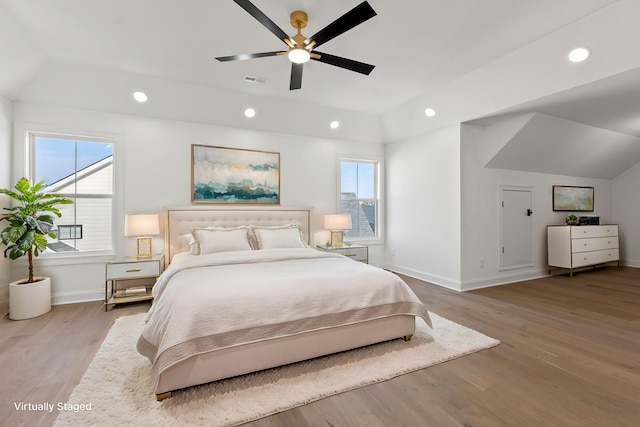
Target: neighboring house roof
x,y
362,224
61,184
60,247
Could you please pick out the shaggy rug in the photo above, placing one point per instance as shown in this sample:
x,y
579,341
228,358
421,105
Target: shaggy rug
x,y
117,384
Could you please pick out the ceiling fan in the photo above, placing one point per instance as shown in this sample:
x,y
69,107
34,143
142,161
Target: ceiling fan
x,y
301,48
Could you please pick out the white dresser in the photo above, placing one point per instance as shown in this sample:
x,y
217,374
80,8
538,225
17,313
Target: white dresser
x,y
574,246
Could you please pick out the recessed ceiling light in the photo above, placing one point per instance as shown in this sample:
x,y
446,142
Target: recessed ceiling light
x,y
249,112
140,96
430,112
334,124
579,54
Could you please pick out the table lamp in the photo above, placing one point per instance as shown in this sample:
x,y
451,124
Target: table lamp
x,y
337,223
142,226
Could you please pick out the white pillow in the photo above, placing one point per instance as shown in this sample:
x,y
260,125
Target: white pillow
x,y
213,240
285,236
193,244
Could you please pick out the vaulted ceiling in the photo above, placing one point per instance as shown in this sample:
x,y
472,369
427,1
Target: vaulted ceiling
x,y
467,59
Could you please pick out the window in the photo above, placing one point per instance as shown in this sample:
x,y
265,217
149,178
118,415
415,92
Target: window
x,y
359,197
69,232
80,168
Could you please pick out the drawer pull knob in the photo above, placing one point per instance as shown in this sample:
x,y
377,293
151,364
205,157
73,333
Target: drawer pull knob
x,y
133,270
350,254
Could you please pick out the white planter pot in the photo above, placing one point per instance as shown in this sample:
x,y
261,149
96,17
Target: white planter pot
x,y
29,300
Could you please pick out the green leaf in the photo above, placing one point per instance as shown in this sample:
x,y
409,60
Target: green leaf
x,y
16,232
27,240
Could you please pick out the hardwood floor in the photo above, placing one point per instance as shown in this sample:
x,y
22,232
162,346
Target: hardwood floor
x,y
43,359
570,356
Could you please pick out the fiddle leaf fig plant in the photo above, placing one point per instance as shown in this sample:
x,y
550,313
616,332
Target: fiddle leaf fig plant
x,y
30,221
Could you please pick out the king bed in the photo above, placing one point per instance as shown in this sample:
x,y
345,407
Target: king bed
x,y
245,292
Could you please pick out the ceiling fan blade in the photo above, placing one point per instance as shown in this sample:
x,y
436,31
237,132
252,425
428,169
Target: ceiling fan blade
x,y
296,76
349,64
248,56
262,18
354,17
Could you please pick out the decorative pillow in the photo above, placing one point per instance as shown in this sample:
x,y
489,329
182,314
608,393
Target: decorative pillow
x,y
280,236
212,240
194,248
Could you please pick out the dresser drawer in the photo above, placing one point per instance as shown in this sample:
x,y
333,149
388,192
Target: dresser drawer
x,y
358,254
585,231
594,244
596,257
132,270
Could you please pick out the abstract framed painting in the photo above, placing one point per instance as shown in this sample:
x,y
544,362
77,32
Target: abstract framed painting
x,y
234,175
570,198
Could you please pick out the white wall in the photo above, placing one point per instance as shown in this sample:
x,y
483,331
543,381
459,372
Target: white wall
x,y
5,182
481,210
423,207
626,212
154,173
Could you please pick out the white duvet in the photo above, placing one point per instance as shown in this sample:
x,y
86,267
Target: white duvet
x,y
208,302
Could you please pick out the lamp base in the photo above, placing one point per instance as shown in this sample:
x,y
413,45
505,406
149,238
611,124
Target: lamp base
x,y
144,247
336,238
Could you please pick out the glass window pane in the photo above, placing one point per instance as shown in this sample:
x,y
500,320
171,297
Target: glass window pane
x,y
94,215
366,180
73,168
95,168
363,219
55,159
358,182
349,179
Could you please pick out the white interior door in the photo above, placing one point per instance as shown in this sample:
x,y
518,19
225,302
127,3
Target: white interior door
x,y
516,236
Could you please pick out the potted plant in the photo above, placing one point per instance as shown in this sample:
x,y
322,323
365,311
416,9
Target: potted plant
x,y
30,222
572,220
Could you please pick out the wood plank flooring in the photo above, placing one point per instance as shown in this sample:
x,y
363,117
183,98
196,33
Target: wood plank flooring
x,y
570,356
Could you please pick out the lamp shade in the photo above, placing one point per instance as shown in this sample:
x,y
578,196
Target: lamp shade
x,y
141,225
337,222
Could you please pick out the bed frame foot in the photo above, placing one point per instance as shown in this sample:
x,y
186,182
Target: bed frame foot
x,y
163,396
407,337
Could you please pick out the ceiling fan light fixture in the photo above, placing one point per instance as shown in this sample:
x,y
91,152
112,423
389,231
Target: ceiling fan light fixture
x,y
299,55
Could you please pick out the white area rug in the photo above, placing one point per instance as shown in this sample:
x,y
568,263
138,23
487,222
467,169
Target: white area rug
x,y
117,384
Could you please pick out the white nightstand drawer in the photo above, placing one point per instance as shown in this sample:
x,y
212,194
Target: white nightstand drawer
x,y
132,270
358,254
355,252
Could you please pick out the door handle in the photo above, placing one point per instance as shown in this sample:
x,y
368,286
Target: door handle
x,y
529,212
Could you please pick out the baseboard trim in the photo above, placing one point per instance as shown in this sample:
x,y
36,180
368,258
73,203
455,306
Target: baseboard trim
x,y
74,297
422,275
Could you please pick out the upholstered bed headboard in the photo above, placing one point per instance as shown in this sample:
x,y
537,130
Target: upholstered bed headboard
x,y
180,221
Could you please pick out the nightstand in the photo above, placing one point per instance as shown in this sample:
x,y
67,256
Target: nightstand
x,y
134,270
354,251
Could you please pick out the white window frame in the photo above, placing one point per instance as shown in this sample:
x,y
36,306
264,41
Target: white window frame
x,y
378,198
25,133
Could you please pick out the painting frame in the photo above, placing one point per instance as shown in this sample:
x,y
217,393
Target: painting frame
x,y
227,175
571,198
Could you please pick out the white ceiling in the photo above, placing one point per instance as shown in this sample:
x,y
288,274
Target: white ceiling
x,y
416,45
470,59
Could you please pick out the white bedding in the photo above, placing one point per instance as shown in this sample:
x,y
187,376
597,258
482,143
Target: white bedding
x,y
215,301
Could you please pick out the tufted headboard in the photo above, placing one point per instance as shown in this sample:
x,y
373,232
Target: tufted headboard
x,y
181,220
